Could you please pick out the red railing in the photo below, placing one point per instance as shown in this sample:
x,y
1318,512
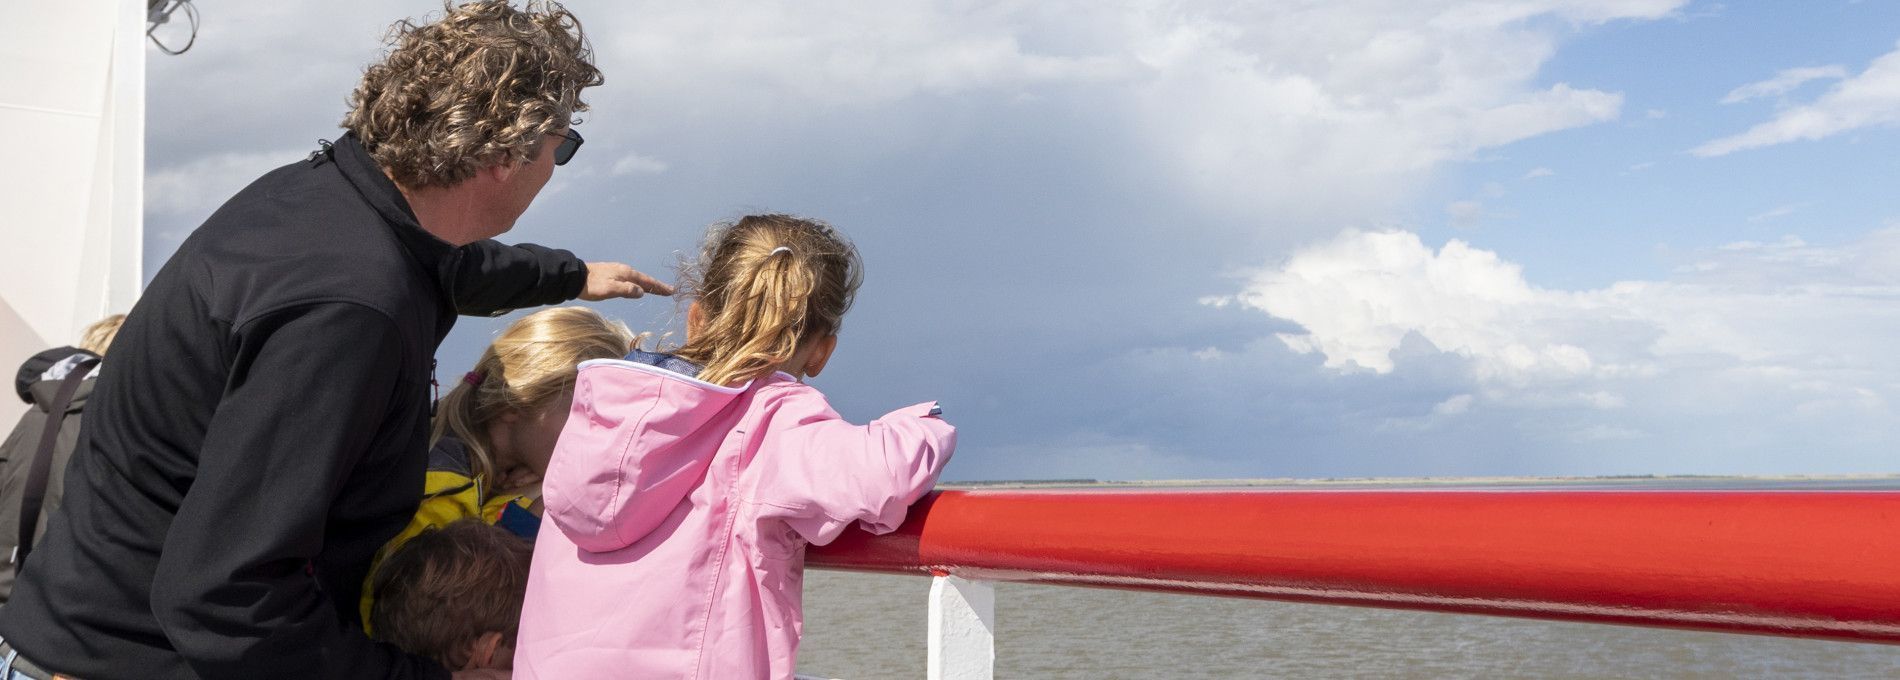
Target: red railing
x,y
1820,564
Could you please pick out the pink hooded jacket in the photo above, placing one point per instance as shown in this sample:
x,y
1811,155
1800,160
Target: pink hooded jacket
x,y
680,511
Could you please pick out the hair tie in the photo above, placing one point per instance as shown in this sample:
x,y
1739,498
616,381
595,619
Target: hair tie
x,y
473,378
781,249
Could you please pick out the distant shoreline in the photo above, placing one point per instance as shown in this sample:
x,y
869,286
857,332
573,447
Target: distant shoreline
x,y
1870,480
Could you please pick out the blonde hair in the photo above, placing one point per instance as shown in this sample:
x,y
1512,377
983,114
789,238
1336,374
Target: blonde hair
x,y
525,368
764,285
482,86
98,336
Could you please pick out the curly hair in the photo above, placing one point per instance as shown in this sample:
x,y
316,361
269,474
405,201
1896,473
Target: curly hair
x,y
481,86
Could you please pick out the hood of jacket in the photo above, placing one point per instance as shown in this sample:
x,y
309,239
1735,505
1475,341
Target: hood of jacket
x,y
39,377
34,369
638,440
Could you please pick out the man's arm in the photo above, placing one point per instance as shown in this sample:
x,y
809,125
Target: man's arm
x,y
489,278
309,389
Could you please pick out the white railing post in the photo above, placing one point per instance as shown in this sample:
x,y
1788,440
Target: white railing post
x,y
962,629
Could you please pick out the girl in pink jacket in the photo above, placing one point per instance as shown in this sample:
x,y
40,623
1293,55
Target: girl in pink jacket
x,y
686,485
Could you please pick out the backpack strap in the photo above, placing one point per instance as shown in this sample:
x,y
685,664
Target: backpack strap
x,y
41,468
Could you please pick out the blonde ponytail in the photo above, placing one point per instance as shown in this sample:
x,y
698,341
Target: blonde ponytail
x,y
526,367
765,285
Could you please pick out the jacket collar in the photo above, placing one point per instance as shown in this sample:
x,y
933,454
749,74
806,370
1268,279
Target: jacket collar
x,y
362,171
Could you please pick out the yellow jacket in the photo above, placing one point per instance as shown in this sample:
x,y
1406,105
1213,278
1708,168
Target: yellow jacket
x,y
450,492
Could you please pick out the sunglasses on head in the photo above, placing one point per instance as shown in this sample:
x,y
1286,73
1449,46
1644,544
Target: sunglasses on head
x,y
570,143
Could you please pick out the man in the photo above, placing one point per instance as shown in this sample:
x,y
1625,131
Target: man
x,y
263,428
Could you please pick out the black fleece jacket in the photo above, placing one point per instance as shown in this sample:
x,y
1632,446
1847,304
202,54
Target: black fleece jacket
x,y
22,446
261,433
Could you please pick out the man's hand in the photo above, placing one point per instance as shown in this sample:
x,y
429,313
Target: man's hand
x,y
606,280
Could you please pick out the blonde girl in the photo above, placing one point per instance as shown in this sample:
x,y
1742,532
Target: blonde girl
x,y
507,412
687,484
495,429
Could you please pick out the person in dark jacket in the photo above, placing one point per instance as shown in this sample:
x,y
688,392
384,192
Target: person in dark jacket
x,y
38,383
262,429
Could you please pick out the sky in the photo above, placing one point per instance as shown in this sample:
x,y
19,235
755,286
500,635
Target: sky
x,y
1178,240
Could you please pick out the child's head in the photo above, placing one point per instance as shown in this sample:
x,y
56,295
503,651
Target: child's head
x,y
454,595
509,410
98,336
769,293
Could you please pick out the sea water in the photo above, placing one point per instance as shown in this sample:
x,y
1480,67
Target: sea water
x,y
865,626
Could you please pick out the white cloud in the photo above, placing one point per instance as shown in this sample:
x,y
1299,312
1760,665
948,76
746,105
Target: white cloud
x,y
1774,213
634,163
1539,172
1456,405
1603,400
1869,99
1465,214
1359,296
829,55
1784,82
1305,108
1783,317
